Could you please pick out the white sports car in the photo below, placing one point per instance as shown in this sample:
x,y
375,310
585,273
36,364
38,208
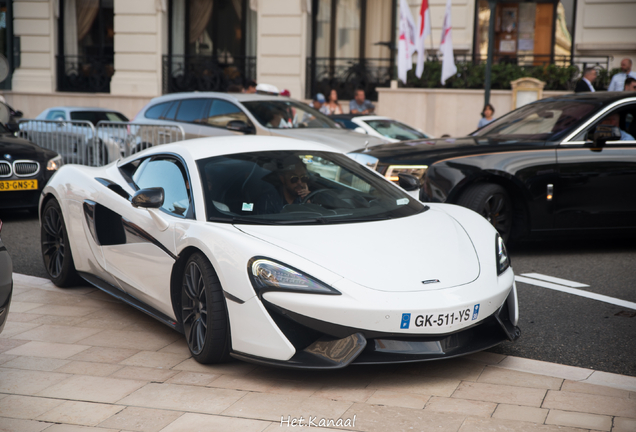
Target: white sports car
x,y
280,252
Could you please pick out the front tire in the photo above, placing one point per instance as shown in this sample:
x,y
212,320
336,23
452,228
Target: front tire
x,y
492,202
203,312
56,250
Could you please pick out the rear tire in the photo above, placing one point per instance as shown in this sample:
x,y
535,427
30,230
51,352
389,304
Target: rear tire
x,y
493,203
56,250
203,312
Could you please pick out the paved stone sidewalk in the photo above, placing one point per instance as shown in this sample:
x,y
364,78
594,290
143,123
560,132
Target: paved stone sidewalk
x,y
76,360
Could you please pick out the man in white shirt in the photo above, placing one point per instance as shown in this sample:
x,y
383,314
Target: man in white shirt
x,y
618,80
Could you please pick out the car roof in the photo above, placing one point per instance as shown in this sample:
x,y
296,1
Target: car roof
x,y
201,148
77,108
599,96
235,97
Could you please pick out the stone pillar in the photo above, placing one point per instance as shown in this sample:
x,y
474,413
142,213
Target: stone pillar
x,y
139,33
281,48
34,22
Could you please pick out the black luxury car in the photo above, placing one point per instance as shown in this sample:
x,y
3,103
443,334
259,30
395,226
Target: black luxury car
x,y
561,165
6,282
25,168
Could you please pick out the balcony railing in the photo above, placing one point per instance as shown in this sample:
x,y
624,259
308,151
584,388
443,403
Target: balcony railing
x,y
205,73
89,74
346,75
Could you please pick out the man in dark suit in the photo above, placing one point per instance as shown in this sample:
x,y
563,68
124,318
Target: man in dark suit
x,y
585,83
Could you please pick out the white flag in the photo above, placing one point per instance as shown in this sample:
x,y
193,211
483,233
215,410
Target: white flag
x,y
424,29
446,46
406,41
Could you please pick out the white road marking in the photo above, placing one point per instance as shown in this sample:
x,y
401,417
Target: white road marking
x,y
556,280
578,292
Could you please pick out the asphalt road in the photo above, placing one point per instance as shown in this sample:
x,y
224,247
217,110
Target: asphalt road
x,y
555,326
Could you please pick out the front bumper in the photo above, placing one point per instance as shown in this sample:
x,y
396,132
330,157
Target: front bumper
x,y
20,199
322,345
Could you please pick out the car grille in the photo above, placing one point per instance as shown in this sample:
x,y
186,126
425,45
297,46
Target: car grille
x,y
25,168
5,169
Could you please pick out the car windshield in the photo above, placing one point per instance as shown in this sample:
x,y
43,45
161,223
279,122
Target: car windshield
x,y
97,116
298,187
395,130
539,120
286,114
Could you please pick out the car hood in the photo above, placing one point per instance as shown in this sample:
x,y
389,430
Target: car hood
x,y
401,255
416,151
18,148
341,139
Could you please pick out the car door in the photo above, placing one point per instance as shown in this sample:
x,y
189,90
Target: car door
x,y
595,187
143,263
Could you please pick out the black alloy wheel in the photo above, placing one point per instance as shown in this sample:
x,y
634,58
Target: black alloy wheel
x,y
203,312
56,251
493,203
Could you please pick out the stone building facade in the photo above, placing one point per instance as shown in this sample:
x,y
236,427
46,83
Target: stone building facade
x,y
121,53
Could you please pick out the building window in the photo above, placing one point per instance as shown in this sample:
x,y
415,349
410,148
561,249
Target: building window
x,y
212,45
528,32
350,48
7,40
85,60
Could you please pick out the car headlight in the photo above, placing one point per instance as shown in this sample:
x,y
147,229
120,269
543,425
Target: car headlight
x,y
503,260
417,171
55,163
267,275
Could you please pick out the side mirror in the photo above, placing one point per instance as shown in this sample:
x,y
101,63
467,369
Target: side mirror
x,y
360,130
604,133
148,198
240,126
408,182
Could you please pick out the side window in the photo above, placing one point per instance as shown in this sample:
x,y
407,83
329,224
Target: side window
x,y
56,115
222,112
171,111
156,111
169,174
623,117
191,110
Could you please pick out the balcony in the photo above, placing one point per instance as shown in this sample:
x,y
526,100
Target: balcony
x,y
347,74
87,74
183,73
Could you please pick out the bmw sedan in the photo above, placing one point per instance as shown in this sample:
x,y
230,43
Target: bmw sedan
x,y
25,168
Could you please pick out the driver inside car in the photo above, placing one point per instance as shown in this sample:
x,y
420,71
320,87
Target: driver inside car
x,y
613,119
293,177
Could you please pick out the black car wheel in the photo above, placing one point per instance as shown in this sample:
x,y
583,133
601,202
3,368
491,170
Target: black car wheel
x,y
56,251
492,202
203,312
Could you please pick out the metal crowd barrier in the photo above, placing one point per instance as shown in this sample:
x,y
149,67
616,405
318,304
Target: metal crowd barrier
x,y
73,140
134,137
79,142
